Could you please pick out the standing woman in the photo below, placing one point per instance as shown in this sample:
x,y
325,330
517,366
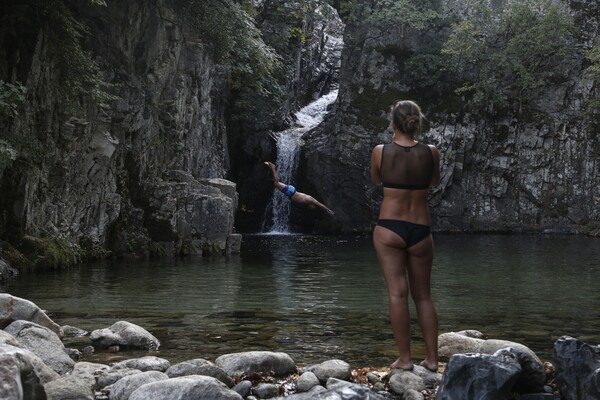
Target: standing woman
x,y
402,237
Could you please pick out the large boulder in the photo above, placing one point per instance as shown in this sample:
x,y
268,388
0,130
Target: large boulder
x,y
577,367
15,308
337,369
126,334
44,343
238,364
147,363
533,375
71,387
18,377
184,388
200,367
479,376
125,386
44,372
451,343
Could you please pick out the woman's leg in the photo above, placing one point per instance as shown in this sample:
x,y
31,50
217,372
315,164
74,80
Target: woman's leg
x,y
420,260
392,259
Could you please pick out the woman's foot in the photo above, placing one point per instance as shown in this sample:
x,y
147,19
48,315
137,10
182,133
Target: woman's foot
x,y
406,366
433,367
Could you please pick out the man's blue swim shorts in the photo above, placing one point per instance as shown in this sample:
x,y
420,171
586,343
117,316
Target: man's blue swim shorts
x,y
288,190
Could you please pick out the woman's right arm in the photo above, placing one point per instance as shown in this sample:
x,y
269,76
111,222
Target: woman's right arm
x,y
376,163
435,180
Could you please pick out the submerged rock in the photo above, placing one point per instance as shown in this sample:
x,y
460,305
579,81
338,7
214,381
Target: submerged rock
x,y
123,333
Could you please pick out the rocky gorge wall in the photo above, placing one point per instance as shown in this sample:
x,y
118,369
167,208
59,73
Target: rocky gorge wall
x,y
536,171
158,171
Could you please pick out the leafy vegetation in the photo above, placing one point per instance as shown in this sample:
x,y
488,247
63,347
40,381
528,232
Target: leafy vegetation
x,y
502,58
593,56
229,30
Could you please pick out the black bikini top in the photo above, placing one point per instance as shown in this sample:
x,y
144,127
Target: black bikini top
x,y
406,167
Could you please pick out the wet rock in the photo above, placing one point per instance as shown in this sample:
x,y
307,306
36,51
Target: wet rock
x,y
126,334
307,381
73,332
15,308
147,363
185,387
237,364
80,387
402,381
6,271
243,388
533,376
186,367
479,376
44,373
124,387
576,364
107,378
7,338
266,390
351,391
451,343
44,343
18,377
337,369
200,366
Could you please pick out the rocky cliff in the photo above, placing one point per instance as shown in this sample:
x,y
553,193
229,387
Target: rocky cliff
x,y
147,174
532,171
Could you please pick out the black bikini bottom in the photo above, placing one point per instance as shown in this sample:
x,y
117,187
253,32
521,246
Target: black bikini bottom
x,y
411,233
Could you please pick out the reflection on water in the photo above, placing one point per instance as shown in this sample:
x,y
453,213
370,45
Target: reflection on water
x,y
324,297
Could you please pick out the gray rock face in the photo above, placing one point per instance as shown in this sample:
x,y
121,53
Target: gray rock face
x,y
123,333
99,171
508,173
577,367
185,387
43,343
15,308
479,376
238,364
18,378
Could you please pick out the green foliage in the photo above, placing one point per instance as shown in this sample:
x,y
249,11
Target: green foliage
x,y
26,22
502,59
79,75
400,14
231,34
593,70
57,253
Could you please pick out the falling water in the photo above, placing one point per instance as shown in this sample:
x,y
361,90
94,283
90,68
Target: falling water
x,y
288,145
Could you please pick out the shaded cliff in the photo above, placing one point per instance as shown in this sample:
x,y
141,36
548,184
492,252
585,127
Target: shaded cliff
x,y
532,168
143,172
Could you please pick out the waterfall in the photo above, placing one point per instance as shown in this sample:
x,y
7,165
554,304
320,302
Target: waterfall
x,y
288,146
